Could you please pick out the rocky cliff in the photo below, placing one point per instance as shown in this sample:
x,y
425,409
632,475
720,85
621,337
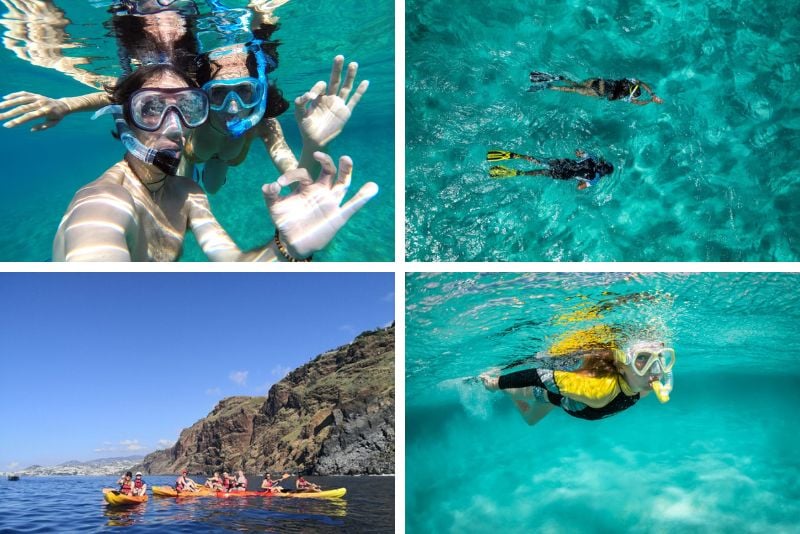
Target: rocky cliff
x,y
331,416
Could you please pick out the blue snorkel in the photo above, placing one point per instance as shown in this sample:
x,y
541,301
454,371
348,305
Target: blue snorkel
x,y
237,126
165,160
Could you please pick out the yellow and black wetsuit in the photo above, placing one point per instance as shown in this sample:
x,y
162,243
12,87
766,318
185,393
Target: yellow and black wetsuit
x,y
579,394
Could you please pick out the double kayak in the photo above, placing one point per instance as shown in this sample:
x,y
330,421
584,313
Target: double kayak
x,y
115,498
169,491
327,494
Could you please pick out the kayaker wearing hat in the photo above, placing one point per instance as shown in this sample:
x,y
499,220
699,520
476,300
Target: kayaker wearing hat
x,y
139,485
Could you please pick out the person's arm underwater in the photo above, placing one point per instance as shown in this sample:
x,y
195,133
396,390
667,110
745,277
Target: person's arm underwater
x,y
653,96
27,107
306,219
324,110
100,223
271,134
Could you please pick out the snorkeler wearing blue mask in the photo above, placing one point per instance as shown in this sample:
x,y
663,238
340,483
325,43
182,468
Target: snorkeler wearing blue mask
x,y
627,89
244,106
591,383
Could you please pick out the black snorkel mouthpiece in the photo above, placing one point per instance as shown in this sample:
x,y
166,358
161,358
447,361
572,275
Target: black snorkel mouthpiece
x,y
167,161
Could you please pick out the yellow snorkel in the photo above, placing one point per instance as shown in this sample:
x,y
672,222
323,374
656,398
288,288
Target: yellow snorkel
x,y
662,388
641,358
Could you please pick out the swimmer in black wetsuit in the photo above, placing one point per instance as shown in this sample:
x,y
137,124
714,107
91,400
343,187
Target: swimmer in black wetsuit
x,y
628,89
587,170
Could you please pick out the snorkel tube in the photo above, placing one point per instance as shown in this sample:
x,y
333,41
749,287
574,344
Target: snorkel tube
x,y
237,126
166,161
663,387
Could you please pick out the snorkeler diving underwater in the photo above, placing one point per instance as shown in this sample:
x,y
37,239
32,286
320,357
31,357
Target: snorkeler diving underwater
x,y
689,144
195,96
601,402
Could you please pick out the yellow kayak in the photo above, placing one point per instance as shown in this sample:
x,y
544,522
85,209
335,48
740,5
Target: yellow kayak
x,y
169,491
115,498
325,494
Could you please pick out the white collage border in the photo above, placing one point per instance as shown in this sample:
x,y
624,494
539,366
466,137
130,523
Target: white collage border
x,y
400,267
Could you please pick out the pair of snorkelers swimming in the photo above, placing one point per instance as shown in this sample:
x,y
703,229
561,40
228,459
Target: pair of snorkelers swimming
x,y
588,169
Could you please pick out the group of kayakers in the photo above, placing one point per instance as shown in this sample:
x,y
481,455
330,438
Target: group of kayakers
x,y
128,485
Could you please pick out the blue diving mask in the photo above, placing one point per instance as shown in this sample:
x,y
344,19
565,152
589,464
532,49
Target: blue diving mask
x,y
249,93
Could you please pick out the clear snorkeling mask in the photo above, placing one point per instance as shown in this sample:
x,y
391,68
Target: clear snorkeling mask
x,y
653,359
147,108
642,357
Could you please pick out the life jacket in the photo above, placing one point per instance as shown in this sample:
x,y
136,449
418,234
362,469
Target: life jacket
x,y
138,483
226,483
125,487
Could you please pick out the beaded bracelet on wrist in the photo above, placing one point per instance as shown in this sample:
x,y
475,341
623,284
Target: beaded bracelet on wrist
x,y
285,253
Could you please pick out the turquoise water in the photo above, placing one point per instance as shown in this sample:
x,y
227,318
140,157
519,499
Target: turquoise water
x,y
43,170
710,175
75,504
721,456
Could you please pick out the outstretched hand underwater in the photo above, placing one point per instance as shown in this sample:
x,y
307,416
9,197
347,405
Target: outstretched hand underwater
x,y
321,115
26,107
310,216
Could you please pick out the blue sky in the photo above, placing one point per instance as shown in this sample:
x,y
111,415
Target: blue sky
x,y
96,365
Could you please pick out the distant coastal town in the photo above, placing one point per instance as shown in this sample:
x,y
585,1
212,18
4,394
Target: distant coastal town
x,y
100,467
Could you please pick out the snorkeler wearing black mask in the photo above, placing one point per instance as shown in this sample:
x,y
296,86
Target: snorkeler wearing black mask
x,y
587,170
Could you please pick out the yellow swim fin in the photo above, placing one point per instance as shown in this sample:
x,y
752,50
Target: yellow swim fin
x,y
499,155
498,171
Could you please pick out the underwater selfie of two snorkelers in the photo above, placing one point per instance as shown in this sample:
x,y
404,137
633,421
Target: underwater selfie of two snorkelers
x,y
590,373
184,117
